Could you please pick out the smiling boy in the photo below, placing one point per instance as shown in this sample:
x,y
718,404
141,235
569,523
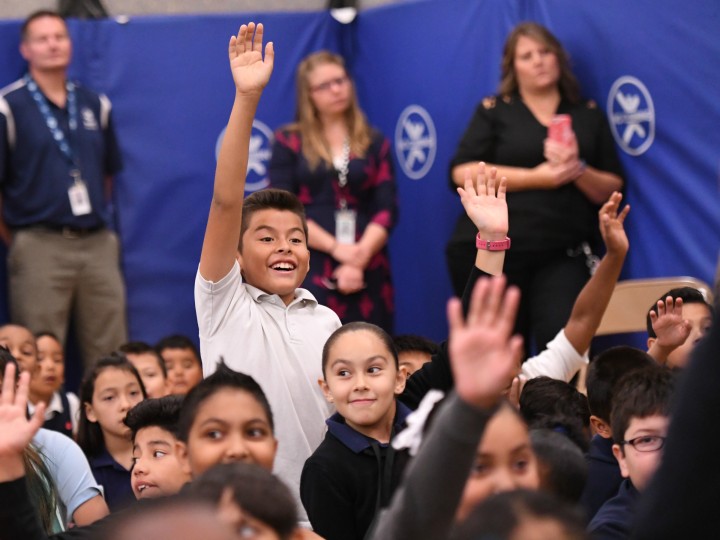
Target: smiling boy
x,y
255,255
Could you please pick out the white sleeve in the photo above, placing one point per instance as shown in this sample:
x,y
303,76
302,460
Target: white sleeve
x,y
559,360
68,467
213,300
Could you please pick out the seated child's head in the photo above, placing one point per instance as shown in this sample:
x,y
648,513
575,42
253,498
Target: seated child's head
x,y
157,471
274,254
150,365
414,351
108,391
21,344
556,405
251,499
695,309
561,464
640,417
226,418
505,461
174,517
182,363
522,515
50,374
604,372
361,377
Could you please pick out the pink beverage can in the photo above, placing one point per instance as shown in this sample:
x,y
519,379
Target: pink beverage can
x,y
560,129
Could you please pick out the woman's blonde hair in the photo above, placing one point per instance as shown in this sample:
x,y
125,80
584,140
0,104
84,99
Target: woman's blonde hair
x,y
567,82
307,121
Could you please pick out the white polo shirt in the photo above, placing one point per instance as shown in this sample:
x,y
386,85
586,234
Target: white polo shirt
x,y
281,348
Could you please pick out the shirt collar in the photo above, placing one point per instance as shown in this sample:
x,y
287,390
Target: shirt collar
x,y
303,297
55,406
104,459
356,441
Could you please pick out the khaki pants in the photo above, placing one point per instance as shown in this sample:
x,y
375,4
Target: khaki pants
x,y
52,275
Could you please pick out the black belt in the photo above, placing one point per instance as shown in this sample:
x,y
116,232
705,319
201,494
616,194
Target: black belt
x,y
65,230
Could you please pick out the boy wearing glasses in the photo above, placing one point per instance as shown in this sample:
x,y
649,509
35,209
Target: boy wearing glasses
x,y
639,419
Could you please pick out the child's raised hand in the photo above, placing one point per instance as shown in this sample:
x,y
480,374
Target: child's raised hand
x,y
611,225
486,208
16,431
483,355
250,72
668,323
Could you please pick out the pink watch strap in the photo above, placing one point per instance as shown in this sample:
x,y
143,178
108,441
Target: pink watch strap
x,y
498,245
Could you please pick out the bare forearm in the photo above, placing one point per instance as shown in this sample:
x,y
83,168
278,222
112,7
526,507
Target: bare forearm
x,y
598,185
373,240
659,353
319,239
233,157
590,304
519,178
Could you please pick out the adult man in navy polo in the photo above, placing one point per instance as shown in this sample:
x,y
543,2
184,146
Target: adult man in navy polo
x,y
57,155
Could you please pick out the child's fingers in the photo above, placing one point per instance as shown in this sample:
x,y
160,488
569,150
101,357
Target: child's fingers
x,y
248,41
21,396
231,47
653,317
491,181
270,53
454,315
478,301
509,309
38,418
678,306
623,214
8,385
481,179
502,189
469,186
258,38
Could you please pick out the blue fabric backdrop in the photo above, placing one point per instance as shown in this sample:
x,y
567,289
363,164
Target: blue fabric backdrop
x,y
420,68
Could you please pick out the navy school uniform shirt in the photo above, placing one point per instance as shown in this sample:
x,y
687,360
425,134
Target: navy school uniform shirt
x,y
114,479
349,478
604,476
615,518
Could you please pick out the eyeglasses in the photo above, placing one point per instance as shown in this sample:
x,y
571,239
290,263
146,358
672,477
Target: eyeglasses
x,y
327,85
646,443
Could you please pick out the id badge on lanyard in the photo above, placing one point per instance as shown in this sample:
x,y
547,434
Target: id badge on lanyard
x,y
78,194
345,222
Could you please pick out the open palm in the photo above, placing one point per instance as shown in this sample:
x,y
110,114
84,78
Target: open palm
x,y
486,208
250,72
16,431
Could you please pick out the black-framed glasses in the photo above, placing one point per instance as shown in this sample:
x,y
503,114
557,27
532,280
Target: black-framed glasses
x,y
324,87
646,443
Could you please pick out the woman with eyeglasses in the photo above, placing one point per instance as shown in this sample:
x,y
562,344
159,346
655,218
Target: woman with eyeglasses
x,y
341,169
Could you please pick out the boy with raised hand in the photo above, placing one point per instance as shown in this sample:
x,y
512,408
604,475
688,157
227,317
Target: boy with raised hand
x,y
675,323
255,255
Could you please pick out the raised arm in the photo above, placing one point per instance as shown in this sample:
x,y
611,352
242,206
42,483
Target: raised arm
x,y
488,211
590,305
250,73
484,358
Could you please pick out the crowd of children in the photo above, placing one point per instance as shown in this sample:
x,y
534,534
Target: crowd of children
x,y
368,437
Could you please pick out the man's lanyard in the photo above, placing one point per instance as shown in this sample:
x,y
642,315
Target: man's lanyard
x,y
58,135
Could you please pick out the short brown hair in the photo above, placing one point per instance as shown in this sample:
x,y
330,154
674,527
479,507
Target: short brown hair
x,y
567,84
274,199
35,16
